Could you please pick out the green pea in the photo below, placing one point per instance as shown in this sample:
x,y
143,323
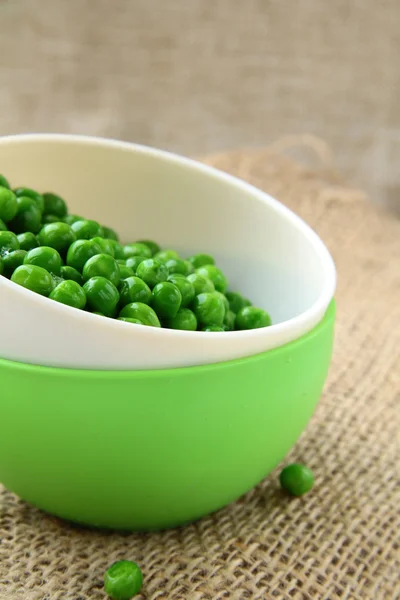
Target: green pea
x,y
229,321
184,319
110,234
154,248
27,241
142,312
33,278
185,287
80,251
134,289
102,265
87,229
225,302
12,260
237,301
57,235
179,266
216,275
167,299
251,317
3,226
133,262
118,250
4,182
125,272
209,309
296,479
8,204
200,260
137,249
123,580
45,257
69,273
54,205
8,242
152,272
102,295
128,320
214,328
71,219
164,255
28,217
50,219
70,293
29,193
107,246
202,285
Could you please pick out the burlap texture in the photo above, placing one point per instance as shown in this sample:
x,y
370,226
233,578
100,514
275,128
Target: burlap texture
x,y
341,540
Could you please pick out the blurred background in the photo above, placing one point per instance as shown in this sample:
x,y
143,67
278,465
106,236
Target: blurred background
x,y
203,76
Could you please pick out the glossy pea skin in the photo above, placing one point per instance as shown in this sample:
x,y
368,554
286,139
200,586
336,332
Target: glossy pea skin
x,y
29,193
136,249
4,182
102,295
123,580
50,219
224,300
54,205
251,317
45,257
57,235
216,275
70,293
33,278
118,250
107,246
154,248
69,273
134,261
28,217
201,284
200,260
8,242
185,287
209,309
87,229
185,319
110,234
27,241
70,219
79,253
128,320
297,479
13,260
152,272
125,272
102,265
164,255
144,313
166,299
134,289
3,226
229,321
236,301
8,204
179,266
214,329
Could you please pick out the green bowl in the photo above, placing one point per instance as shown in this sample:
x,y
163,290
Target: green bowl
x,y
155,449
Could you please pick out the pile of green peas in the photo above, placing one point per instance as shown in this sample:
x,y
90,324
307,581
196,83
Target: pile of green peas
x,y
78,262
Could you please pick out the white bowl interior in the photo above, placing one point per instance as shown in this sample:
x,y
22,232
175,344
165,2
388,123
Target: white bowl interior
x,y
267,252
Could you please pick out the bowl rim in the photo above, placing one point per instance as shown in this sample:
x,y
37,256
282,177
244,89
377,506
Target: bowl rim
x,y
314,314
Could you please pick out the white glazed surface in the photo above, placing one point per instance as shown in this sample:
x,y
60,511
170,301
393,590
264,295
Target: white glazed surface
x,y
268,253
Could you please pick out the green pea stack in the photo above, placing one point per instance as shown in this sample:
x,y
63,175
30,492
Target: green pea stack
x,y
81,263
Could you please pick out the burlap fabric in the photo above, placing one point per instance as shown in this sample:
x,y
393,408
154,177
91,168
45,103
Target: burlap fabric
x,y
341,540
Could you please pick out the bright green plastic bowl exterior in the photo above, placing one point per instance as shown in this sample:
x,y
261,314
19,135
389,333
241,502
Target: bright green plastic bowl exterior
x,y
155,449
